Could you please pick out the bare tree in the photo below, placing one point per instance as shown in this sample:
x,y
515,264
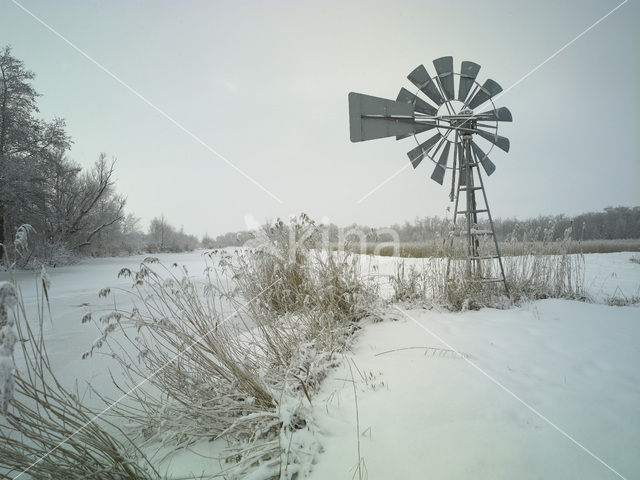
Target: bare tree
x,y
92,204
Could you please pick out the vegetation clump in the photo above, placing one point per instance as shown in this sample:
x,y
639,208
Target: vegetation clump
x,y
46,431
534,270
240,354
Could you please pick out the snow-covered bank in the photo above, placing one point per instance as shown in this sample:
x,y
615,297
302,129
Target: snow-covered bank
x,y
431,414
428,413
611,275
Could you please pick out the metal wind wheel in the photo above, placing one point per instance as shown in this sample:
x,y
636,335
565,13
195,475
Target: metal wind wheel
x,y
439,108
448,117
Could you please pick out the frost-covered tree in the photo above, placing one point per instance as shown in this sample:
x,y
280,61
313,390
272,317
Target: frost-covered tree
x,y
163,237
93,205
70,209
24,141
159,232
131,239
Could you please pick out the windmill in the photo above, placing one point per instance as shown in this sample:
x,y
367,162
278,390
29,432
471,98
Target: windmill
x,y
455,131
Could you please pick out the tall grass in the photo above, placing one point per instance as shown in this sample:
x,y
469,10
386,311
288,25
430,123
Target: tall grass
x,y
247,377
534,270
46,431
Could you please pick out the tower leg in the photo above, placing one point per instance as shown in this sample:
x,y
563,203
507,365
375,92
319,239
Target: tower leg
x,y
471,216
455,186
468,161
493,231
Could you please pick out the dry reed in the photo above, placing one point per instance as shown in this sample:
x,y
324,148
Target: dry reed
x,y
47,432
247,377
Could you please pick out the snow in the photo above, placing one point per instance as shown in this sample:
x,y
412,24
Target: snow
x,y
612,274
438,416
550,389
547,390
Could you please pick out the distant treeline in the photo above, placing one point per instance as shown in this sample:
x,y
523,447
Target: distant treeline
x,y
69,211
611,223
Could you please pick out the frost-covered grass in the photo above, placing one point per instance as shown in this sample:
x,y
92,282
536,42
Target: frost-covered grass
x,y
46,431
534,271
248,377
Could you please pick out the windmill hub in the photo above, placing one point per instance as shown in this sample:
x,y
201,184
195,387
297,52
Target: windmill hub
x,y
447,114
467,125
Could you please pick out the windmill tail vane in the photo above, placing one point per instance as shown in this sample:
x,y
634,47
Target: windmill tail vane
x,y
460,122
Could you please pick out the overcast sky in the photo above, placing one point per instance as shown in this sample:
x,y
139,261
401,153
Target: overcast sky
x,y
265,84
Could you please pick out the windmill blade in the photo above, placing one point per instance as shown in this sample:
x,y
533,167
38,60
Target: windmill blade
x,y
500,142
417,154
421,79
444,67
438,172
363,127
488,90
468,73
419,105
419,128
487,164
501,114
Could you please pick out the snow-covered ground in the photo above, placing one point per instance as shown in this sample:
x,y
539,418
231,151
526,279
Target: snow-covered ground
x,y
547,390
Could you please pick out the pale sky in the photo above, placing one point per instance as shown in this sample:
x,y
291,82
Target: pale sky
x,y
265,84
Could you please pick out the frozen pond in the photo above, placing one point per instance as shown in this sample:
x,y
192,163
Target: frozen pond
x,y
74,292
